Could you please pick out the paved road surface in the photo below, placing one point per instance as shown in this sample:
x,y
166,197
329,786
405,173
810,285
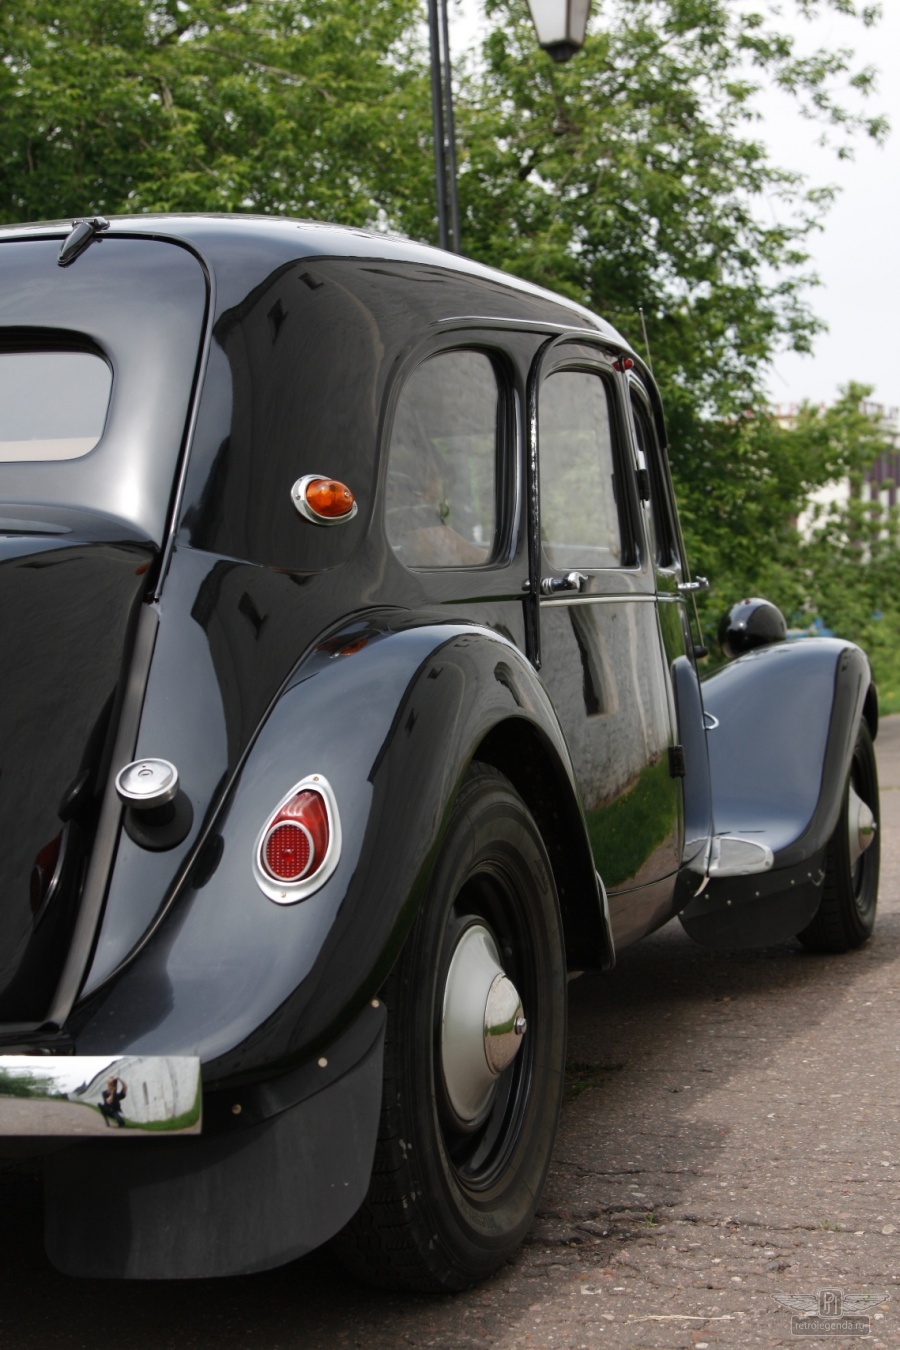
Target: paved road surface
x,y
730,1136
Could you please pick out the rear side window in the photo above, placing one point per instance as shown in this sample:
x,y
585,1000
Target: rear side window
x,y
441,497
53,404
579,516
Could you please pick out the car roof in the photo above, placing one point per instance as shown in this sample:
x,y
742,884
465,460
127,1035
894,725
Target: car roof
x,y
264,242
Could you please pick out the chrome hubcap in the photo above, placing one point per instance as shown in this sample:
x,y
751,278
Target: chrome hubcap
x,y
482,1024
860,824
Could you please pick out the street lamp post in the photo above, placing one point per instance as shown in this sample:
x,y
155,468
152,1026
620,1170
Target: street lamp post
x,y
444,130
560,26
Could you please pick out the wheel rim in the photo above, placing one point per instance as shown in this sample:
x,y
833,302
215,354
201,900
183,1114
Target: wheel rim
x,y
860,826
481,1027
484,1049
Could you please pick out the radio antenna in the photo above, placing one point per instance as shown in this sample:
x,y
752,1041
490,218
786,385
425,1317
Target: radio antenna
x,y
646,339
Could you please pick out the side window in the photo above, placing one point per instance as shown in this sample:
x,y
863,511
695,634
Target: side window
x,y
441,505
580,524
663,527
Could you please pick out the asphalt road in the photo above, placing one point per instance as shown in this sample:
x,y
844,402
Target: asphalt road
x,y
730,1138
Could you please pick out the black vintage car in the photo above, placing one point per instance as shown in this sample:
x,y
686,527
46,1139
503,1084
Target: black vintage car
x,y
350,699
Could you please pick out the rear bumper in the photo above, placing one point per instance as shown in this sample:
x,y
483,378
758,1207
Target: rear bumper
x,y
242,1197
51,1096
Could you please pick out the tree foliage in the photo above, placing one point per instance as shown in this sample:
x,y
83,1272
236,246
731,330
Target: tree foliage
x,y
634,179
848,559
796,523
292,106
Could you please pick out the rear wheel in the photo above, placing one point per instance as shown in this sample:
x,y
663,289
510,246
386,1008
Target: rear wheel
x,y
846,916
474,1058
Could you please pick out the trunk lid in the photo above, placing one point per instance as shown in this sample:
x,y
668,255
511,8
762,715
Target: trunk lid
x,y
69,603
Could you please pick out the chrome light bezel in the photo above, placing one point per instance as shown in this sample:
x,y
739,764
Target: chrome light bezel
x,y
289,893
298,497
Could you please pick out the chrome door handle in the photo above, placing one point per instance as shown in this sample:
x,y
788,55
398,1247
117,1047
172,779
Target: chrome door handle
x,y
572,581
694,587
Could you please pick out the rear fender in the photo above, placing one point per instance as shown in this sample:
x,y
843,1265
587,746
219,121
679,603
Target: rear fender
x,y
390,716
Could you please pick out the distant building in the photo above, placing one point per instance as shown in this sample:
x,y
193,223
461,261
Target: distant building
x,y
882,478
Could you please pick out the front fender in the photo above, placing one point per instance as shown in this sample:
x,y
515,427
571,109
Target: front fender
x,y
787,719
391,715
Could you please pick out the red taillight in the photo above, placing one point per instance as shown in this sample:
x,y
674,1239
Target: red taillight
x,y
299,846
287,851
296,840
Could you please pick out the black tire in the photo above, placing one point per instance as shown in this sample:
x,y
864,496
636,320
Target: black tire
x,y
449,1202
846,916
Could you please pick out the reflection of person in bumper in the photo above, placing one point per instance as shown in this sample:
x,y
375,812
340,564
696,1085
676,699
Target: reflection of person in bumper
x,y
111,1104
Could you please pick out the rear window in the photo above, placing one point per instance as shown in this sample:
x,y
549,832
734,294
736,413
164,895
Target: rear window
x,y
53,404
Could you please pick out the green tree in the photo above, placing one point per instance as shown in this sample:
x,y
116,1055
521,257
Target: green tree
x,y
765,535
306,107
849,555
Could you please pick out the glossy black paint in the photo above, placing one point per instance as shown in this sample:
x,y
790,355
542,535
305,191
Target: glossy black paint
x,y
90,305
69,605
289,977
783,789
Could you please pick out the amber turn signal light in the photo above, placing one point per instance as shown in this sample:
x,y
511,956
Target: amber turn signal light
x,y
323,501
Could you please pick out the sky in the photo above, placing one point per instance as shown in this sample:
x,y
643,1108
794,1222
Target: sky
x,y
857,253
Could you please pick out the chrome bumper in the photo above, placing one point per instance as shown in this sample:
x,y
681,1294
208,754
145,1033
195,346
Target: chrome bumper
x,y
79,1096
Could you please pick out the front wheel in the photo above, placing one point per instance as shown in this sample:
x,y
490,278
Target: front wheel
x,y
846,916
474,1057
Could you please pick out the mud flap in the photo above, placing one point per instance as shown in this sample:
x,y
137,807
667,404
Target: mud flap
x,y
736,913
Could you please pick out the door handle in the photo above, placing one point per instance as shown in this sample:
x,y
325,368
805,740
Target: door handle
x,y
572,581
695,587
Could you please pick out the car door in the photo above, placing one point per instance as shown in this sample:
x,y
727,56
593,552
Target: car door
x,y
600,646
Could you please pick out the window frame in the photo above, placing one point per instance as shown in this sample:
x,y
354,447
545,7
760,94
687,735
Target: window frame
x,y
574,353
507,440
667,551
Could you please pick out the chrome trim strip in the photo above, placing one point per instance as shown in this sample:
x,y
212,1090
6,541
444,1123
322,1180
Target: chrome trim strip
x,y
626,597
81,1096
